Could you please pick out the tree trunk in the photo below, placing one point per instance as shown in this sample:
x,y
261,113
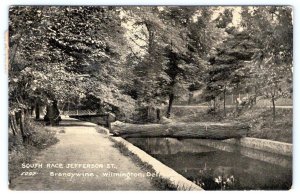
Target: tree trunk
x,y
255,94
151,37
148,118
63,108
16,124
214,103
17,117
171,99
12,124
37,110
274,111
108,121
31,110
22,127
181,130
224,101
236,105
190,98
158,114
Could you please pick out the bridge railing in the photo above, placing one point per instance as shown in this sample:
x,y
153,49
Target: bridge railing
x,y
80,112
91,116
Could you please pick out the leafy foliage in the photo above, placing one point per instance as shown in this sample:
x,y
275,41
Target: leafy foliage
x,y
229,67
173,52
60,48
123,57
271,29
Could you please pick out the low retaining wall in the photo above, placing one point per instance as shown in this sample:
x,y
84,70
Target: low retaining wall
x,y
264,145
273,158
249,147
99,120
164,171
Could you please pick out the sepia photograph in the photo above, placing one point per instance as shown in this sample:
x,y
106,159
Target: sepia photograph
x,y
150,98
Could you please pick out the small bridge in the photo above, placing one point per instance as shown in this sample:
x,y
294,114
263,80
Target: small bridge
x,y
91,116
80,112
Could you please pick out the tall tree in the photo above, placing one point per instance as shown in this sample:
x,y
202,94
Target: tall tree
x,y
271,28
54,46
228,68
171,63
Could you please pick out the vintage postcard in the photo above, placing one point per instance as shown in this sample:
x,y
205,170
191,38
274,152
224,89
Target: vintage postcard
x,y
105,98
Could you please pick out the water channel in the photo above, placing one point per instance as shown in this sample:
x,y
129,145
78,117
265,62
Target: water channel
x,y
220,166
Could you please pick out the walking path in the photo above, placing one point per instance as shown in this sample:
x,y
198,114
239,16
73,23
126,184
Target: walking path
x,y
228,106
82,150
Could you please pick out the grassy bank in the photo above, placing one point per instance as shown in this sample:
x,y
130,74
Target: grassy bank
x,y
19,152
258,118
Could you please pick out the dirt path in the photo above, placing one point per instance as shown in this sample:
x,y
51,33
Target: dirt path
x,y
227,106
82,144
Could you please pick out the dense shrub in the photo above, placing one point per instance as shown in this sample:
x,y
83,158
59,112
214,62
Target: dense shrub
x,y
144,114
20,152
41,136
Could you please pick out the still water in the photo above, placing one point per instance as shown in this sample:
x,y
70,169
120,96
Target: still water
x,y
215,165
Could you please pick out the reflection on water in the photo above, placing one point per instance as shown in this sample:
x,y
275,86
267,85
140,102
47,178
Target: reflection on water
x,y
220,166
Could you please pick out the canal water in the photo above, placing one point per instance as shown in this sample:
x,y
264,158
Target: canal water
x,y
220,166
